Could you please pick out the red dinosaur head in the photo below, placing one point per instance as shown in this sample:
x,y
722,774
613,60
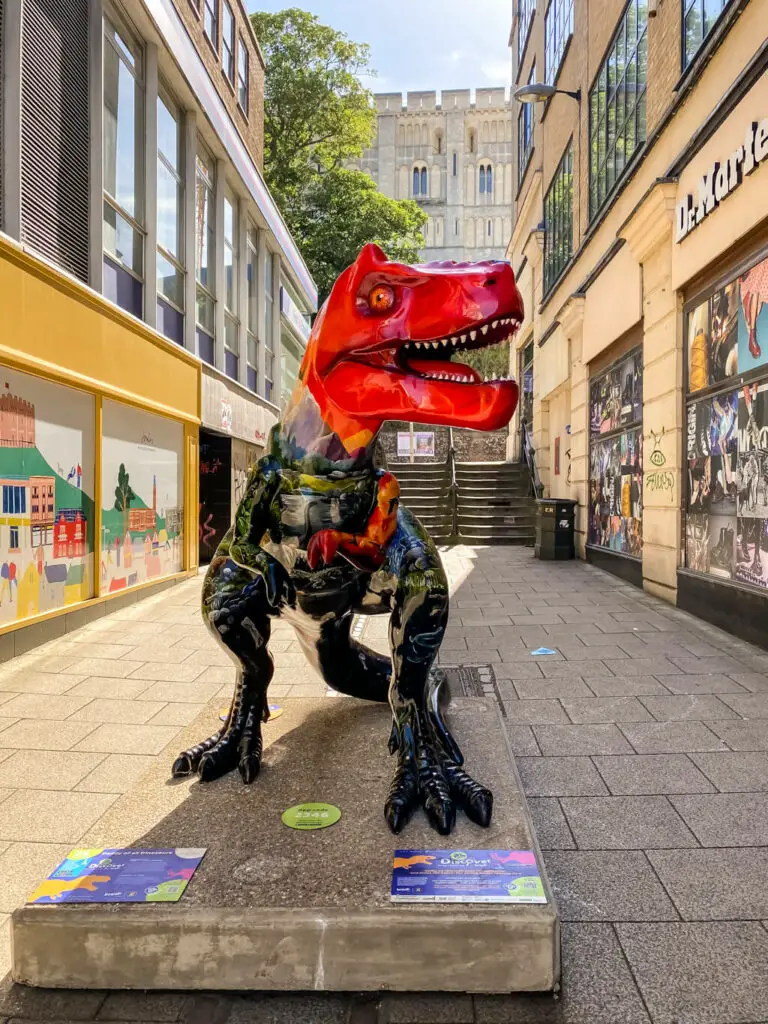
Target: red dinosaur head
x,y
381,346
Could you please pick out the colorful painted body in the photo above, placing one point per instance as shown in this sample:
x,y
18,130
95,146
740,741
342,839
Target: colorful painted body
x,y
320,534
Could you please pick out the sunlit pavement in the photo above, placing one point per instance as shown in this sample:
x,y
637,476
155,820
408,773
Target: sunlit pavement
x,y
642,743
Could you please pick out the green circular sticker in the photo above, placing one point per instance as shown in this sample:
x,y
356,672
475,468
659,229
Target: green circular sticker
x,y
307,816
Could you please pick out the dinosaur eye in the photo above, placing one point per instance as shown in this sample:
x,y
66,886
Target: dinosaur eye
x,y
381,298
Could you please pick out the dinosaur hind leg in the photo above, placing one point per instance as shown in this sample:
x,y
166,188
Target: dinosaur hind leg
x,y
349,666
236,610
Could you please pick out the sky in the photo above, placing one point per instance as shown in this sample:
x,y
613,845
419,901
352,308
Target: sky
x,y
421,44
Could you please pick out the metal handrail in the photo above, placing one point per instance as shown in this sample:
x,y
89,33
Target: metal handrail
x,y
528,453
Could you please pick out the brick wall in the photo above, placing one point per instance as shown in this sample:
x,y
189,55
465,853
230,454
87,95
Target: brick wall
x,y
251,128
664,60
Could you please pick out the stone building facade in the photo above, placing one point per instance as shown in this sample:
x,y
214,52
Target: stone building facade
x,y
640,245
454,158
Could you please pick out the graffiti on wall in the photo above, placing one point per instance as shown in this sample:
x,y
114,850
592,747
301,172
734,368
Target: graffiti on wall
x,y
46,495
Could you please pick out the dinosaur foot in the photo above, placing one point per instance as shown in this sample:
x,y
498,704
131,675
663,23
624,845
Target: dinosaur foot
x,y
426,774
237,745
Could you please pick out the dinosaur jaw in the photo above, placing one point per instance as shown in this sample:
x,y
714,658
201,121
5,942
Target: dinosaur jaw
x,y
419,380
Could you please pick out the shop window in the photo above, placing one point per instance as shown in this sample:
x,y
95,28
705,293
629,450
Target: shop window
x,y
726,342
525,133
526,9
558,220
699,17
616,457
617,105
558,29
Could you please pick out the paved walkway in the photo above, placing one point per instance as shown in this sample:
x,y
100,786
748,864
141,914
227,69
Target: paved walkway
x,y
642,744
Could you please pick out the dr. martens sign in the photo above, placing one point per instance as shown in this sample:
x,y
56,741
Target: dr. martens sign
x,y
722,178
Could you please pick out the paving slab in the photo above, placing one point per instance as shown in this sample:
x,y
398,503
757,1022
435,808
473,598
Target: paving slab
x,y
726,819
627,822
737,772
549,822
595,710
652,774
271,908
700,973
712,885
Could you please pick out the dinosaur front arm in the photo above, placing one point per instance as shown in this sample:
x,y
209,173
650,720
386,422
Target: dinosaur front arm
x,y
363,550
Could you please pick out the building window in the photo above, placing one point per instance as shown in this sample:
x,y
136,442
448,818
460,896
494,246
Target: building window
x,y
123,162
482,179
420,183
252,341
231,322
525,133
726,505
486,179
269,328
14,541
228,41
438,143
699,17
558,29
471,140
617,105
211,21
170,221
456,226
242,76
205,235
490,228
14,500
526,376
455,165
616,457
558,220
525,12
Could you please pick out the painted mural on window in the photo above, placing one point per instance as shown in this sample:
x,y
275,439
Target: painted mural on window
x,y
726,526
46,490
616,457
141,497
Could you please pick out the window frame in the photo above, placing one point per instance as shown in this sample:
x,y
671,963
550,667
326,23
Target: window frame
x,y
231,246
685,61
243,81
211,7
560,43
269,327
165,97
114,24
228,46
599,193
207,288
252,342
527,112
554,269
526,11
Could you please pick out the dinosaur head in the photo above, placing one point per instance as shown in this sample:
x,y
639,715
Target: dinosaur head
x,y
387,345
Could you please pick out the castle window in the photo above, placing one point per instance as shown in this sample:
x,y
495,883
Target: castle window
x,y
455,162
471,141
416,180
488,179
438,143
424,186
482,179
489,229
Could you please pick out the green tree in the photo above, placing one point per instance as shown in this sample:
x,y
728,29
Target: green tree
x,y
317,114
489,362
318,118
342,211
123,495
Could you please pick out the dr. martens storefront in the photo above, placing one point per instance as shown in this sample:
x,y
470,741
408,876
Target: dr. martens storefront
x,y
719,275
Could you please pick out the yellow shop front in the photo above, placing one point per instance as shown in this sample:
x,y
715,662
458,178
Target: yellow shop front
x,y
99,419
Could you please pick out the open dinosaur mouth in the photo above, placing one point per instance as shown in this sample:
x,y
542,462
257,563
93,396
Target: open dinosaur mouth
x,y
439,359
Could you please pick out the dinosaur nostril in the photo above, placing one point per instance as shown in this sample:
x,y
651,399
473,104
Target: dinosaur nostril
x,y
490,282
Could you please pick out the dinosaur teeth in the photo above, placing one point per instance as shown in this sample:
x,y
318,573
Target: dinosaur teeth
x,y
473,335
454,341
462,338
444,342
435,344
484,328
494,325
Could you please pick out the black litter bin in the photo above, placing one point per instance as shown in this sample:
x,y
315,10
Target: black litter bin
x,y
555,525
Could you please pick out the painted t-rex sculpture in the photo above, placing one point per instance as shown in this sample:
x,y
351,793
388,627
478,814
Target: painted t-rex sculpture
x,y
320,534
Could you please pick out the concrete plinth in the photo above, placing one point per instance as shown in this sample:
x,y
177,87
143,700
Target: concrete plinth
x,y
273,908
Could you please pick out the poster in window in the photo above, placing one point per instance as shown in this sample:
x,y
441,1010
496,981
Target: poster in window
x,y
752,551
47,468
142,497
697,542
713,339
615,493
752,475
753,318
630,384
712,455
722,546
605,402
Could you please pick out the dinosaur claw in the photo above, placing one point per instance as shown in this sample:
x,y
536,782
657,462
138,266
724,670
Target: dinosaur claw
x,y
181,766
249,768
211,767
441,815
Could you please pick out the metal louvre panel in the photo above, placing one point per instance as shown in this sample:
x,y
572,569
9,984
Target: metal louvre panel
x,y
55,131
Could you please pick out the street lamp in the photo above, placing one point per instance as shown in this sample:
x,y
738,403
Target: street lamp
x,y
538,92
